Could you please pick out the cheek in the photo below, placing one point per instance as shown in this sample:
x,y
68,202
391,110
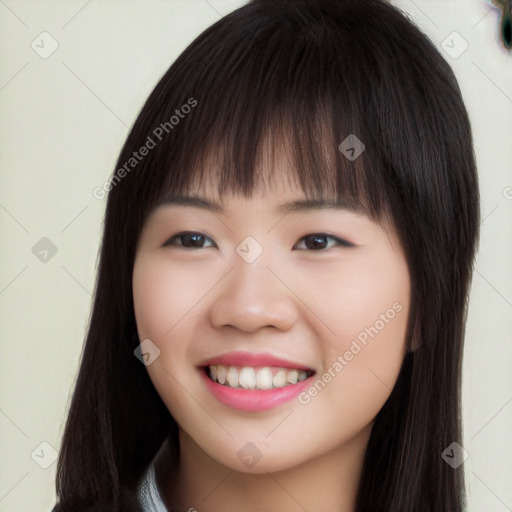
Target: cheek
x,y
169,309
354,386
364,298
163,294
161,299
151,300
368,312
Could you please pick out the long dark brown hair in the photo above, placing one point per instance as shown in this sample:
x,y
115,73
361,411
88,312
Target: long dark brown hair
x,y
295,78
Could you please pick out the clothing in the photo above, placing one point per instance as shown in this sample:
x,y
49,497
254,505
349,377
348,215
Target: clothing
x,y
148,493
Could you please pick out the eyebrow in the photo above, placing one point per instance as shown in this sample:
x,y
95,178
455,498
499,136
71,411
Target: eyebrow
x,y
300,205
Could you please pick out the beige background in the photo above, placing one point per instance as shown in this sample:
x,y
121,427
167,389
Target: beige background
x,y
64,119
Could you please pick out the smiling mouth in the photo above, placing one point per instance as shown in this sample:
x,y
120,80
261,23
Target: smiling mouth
x,y
255,378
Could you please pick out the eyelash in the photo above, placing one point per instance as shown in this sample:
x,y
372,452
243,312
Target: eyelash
x,y
339,241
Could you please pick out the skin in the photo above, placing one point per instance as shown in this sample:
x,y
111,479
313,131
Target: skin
x,y
294,301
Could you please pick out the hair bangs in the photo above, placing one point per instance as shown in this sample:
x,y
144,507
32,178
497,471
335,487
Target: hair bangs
x,y
285,105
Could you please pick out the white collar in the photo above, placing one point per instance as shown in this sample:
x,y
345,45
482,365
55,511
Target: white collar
x,y
147,492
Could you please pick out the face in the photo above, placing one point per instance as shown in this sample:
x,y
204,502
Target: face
x,y
280,333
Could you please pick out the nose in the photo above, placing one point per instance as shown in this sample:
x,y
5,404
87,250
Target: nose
x,y
253,296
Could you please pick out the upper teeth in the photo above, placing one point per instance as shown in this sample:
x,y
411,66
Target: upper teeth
x,y
255,378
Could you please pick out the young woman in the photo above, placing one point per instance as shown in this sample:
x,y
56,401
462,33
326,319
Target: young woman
x,y
280,306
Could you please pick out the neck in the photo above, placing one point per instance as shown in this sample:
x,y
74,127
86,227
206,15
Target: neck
x,y
328,483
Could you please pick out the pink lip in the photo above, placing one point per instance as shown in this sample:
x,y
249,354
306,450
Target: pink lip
x,y
253,400
254,360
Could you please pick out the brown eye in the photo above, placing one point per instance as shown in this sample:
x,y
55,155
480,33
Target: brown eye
x,y
189,240
313,242
320,241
